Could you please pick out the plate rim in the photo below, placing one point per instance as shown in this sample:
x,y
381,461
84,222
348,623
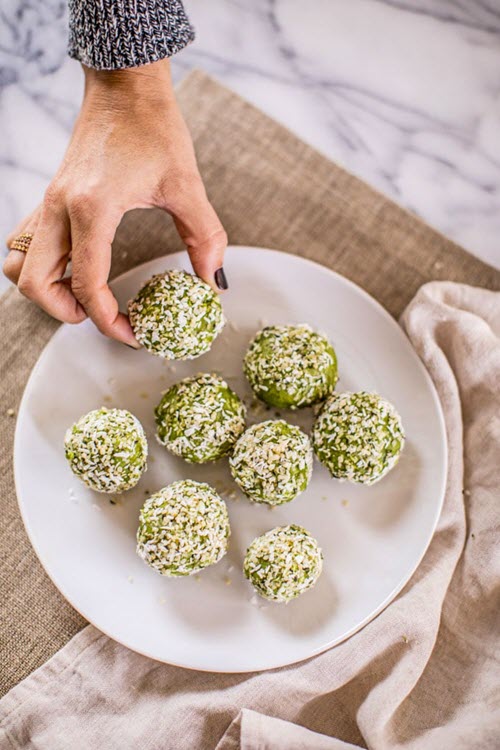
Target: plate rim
x,y
389,598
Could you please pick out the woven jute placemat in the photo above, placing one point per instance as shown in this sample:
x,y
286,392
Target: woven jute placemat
x,y
269,189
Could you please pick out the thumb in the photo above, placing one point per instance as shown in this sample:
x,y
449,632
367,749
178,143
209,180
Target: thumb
x,y
201,230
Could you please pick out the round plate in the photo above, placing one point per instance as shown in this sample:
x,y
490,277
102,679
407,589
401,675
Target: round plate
x,y
372,538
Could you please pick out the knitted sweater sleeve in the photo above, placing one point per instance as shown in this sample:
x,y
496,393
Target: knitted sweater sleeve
x,y
115,34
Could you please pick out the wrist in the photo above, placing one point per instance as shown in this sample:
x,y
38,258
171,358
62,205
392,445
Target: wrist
x,y
147,84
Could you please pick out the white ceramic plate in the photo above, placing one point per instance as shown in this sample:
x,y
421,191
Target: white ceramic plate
x,y
373,538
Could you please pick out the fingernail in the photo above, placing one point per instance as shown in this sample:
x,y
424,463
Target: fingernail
x,y
135,348
220,278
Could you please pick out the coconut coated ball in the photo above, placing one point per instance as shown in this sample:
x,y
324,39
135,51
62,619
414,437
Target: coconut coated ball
x,y
272,462
200,418
176,315
183,528
107,450
290,366
283,563
358,436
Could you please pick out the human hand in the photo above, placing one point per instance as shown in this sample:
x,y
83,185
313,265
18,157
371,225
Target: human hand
x,y
130,148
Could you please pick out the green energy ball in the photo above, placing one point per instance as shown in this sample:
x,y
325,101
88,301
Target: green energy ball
x,y
290,366
358,436
183,528
176,315
200,418
107,450
272,462
283,563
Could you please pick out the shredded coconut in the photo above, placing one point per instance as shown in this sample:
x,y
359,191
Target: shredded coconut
x,y
200,418
283,563
290,366
272,462
358,436
183,528
107,450
176,315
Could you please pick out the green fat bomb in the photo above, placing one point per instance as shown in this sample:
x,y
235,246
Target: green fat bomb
x,y
200,418
183,528
358,436
272,462
290,366
176,315
107,450
283,563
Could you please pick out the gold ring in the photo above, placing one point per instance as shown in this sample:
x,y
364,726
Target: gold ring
x,y
22,242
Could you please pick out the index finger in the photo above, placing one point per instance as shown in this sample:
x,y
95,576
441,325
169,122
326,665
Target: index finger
x,y
91,240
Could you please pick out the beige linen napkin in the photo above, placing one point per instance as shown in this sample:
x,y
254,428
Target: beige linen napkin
x,y
421,675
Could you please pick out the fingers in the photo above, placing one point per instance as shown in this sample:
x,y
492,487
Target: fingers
x,y
84,232
92,233
201,230
43,266
15,258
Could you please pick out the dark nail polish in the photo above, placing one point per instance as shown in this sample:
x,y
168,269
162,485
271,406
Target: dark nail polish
x,y
220,278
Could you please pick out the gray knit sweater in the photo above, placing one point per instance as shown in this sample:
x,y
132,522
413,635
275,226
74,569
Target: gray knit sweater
x,y
114,34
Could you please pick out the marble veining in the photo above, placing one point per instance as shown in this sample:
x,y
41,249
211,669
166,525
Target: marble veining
x,y
404,93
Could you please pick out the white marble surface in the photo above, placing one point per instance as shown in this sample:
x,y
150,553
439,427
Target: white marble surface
x,y
404,93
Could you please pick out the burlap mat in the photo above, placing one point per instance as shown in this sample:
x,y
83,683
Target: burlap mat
x,y
269,189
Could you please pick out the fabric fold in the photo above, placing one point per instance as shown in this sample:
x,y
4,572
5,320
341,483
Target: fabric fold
x,y
253,731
